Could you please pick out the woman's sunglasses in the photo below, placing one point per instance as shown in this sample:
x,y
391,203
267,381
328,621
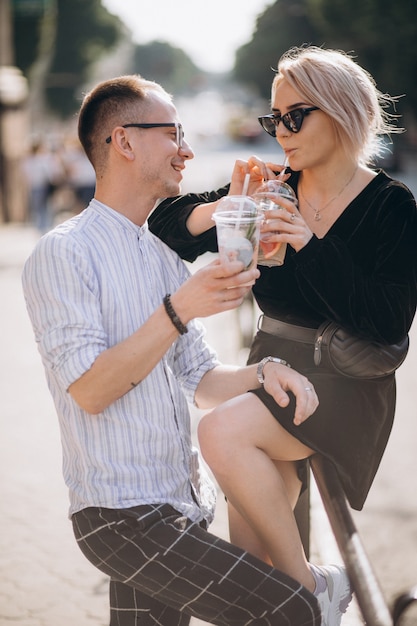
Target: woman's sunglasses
x,y
293,120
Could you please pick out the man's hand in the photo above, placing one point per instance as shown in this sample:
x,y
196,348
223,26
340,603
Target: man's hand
x,y
279,379
213,289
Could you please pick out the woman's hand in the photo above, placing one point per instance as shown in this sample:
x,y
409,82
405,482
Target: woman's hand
x,y
285,224
278,379
200,220
258,171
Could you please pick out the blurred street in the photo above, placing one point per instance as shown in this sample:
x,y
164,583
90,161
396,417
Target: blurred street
x,y
45,580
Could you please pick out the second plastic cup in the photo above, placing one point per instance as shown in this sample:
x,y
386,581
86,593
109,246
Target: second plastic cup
x,y
238,224
271,252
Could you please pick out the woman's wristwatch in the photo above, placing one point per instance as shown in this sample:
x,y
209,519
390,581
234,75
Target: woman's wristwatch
x,y
261,365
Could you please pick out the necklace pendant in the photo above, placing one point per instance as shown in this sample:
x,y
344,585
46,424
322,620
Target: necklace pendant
x,y
317,216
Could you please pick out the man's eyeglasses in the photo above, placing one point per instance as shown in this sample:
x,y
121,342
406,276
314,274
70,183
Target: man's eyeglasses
x,y
293,120
178,127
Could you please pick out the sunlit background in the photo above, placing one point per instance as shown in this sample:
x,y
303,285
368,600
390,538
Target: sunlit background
x,y
217,58
209,32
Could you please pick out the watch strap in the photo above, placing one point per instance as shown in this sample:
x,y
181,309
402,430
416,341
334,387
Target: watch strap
x,y
261,365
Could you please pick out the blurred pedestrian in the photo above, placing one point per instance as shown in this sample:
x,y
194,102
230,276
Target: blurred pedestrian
x,y
38,172
81,174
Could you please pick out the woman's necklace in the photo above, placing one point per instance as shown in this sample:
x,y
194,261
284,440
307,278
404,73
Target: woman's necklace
x,y
317,212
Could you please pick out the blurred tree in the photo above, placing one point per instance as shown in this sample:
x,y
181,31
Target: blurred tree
x,y
27,20
65,38
84,31
170,66
383,35
284,24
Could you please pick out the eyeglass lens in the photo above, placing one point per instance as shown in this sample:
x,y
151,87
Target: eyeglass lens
x,y
179,137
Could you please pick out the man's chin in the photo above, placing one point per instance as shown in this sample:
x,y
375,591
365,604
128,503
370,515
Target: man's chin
x,y
173,189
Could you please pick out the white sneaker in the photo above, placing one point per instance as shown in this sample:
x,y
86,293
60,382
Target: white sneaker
x,y
335,599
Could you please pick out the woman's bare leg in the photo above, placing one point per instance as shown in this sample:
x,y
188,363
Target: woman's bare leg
x,y
241,534
241,441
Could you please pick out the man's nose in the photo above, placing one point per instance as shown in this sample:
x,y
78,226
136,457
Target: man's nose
x,y
186,150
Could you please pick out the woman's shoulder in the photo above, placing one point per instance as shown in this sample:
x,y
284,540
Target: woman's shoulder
x,y
386,194
383,181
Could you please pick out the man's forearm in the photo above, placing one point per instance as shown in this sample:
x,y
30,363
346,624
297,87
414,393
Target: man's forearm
x,y
120,368
223,383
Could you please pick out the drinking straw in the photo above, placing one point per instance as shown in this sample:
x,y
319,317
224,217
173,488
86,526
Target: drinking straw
x,y
246,184
242,201
282,172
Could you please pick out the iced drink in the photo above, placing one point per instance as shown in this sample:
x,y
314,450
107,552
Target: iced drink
x,y
238,224
271,252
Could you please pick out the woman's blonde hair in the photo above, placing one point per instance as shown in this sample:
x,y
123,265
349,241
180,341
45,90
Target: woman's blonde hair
x,y
338,86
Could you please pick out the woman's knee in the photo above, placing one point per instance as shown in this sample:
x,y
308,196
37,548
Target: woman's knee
x,y
233,426
215,435
208,425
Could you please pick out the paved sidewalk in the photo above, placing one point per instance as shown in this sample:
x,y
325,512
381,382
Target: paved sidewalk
x,y
45,580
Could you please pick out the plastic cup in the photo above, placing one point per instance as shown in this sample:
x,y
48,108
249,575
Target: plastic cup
x,y
238,225
271,253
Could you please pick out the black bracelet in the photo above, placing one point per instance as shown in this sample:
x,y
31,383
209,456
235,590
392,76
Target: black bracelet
x,y
173,316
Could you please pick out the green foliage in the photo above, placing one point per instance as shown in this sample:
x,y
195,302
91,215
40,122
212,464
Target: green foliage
x,y
282,25
73,34
167,65
26,31
68,36
83,31
381,34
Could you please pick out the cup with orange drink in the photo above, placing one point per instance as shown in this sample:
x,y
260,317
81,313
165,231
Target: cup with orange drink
x,y
271,253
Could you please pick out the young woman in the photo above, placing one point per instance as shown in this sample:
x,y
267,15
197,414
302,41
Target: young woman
x,y
352,259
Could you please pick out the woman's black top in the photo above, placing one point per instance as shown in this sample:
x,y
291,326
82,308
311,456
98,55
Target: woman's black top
x,y
362,274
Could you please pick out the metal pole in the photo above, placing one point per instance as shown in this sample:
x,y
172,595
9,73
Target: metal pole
x,y
368,592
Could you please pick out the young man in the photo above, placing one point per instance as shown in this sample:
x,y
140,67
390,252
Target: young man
x,y
122,356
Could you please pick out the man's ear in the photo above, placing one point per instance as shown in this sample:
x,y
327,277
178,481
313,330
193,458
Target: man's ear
x,y
121,143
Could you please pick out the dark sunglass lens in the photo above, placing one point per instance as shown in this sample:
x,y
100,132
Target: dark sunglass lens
x,y
296,120
270,125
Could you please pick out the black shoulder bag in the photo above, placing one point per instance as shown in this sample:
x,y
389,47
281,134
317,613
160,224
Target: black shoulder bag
x,y
356,357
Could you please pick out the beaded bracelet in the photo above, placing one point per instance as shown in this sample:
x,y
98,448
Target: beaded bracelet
x,y
173,316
